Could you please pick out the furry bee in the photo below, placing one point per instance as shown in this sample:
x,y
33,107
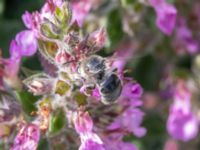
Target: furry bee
x,y
96,74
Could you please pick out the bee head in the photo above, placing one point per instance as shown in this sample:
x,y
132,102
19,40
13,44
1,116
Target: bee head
x,y
94,65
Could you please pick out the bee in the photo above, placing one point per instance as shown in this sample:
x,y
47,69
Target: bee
x,y
96,74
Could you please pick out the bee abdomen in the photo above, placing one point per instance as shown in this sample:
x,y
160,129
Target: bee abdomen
x,y
110,89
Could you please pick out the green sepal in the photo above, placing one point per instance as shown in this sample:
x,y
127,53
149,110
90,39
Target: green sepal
x,y
80,98
57,121
48,31
48,49
62,87
27,101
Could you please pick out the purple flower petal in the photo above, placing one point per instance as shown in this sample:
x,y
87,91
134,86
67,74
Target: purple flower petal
x,y
27,19
27,138
166,15
91,145
182,126
83,123
132,90
27,43
80,10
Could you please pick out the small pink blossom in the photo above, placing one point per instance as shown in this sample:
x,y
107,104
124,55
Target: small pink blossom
x,y
62,57
83,123
98,37
130,121
26,43
90,141
96,94
33,21
184,40
182,124
80,9
166,15
27,138
132,90
27,19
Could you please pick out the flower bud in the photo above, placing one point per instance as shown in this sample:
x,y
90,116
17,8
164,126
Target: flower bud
x,y
39,84
98,38
62,57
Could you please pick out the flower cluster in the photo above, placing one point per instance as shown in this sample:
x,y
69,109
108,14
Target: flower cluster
x,y
86,92
74,93
182,123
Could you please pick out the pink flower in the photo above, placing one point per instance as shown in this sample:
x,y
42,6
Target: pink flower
x,y
98,38
62,57
130,121
27,19
184,40
26,43
132,90
33,21
80,9
11,66
90,142
27,138
83,123
96,94
182,124
166,15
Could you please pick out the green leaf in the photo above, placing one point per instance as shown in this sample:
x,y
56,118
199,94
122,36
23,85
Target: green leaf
x,y
2,5
57,121
67,12
148,72
114,27
127,2
27,101
43,145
